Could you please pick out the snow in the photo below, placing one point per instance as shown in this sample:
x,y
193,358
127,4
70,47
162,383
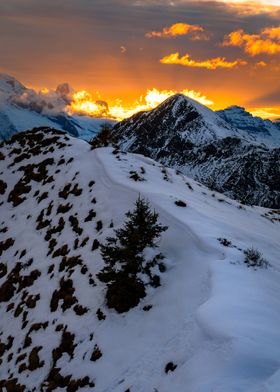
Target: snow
x,y
262,131
23,119
213,126
9,85
90,126
214,317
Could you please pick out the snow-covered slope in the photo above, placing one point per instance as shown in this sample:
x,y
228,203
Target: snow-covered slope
x,y
263,131
213,317
15,116
184,134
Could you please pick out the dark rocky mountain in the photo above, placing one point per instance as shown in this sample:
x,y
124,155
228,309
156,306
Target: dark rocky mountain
x,y
176,116
185,135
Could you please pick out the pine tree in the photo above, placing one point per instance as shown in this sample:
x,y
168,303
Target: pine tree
x,y
125,261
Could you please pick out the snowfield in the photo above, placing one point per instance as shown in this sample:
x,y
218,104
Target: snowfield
x,y
214,317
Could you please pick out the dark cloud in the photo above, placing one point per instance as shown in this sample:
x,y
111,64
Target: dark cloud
x,y
270,99
112,20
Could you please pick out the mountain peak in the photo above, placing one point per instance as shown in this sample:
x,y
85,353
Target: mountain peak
x,y
177,117
10,85
6,77
178,96
237,108
183,99
177,105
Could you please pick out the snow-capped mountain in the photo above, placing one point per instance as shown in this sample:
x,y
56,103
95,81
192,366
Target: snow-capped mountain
x,y
177,115
16,116
263,131
212,325
184,134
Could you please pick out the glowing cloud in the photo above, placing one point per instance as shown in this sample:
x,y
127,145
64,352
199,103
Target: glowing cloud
x,y
261,64
267,41
195,32
260,2
252,7
83,103
217,62
272,32
266,113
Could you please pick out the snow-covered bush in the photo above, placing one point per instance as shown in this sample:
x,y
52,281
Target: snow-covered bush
x,y
254,258
130,258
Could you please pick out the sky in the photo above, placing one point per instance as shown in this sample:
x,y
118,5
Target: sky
x,y
225,51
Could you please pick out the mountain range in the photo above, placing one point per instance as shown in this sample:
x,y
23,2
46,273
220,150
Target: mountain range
x,y
18,114
212,324
230,151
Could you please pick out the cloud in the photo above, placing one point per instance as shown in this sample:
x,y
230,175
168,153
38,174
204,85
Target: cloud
x,y
266,113
214,63
272,32
267,100
261,64
83,102
259,2
267,41
44,37
123,49
63,99
195,32
253,7
45,101
150,100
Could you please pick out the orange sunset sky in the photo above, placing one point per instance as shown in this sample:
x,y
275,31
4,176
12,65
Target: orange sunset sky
x,y
225,51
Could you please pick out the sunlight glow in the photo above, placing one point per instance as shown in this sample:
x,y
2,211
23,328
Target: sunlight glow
x,y
83,103
266,113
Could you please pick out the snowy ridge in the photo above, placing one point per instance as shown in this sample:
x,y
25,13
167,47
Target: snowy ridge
x,y
213,317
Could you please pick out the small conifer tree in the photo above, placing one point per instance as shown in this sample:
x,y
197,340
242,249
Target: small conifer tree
x,y
125,260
